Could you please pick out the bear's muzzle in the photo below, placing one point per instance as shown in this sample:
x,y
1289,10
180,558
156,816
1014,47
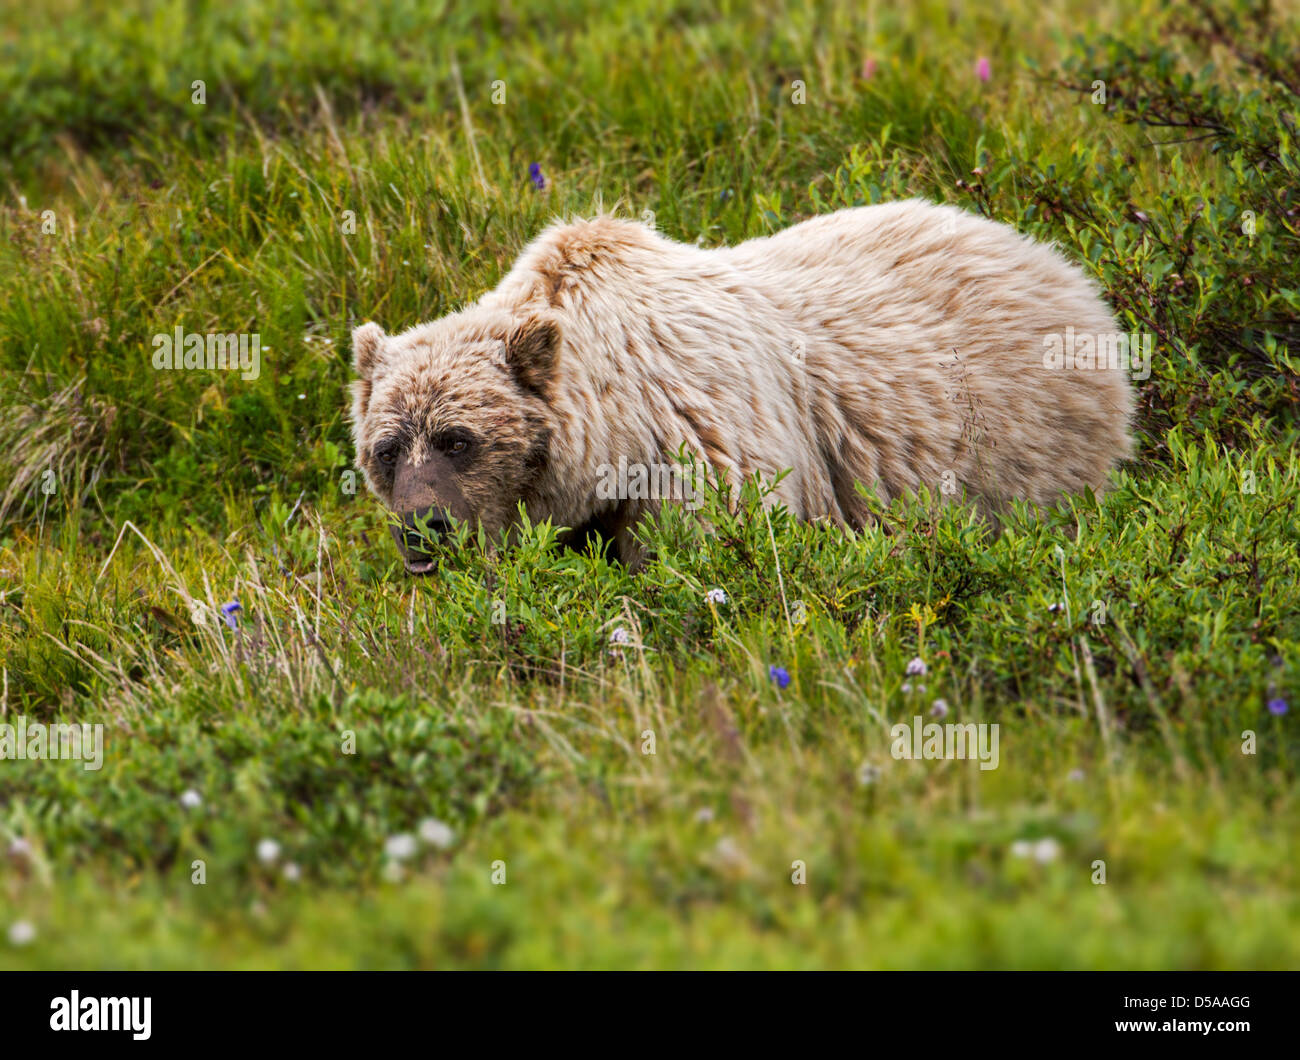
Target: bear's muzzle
x,y
416,534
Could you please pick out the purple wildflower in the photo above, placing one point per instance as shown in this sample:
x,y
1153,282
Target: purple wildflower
x,y
1277,706
779,675
982,69
229,611
536,176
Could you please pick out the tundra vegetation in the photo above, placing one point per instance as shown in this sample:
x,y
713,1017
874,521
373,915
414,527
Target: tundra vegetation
x,y
369,770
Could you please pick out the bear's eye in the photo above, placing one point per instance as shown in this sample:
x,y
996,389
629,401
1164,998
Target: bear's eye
x,y
456,443
387,455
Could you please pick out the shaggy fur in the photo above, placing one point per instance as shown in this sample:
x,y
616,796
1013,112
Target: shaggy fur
x,y
890,345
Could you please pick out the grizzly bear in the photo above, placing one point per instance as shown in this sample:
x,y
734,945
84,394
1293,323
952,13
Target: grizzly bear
x,y
889,346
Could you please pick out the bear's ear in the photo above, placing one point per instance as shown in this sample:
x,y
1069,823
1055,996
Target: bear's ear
x,y
367,341
531,351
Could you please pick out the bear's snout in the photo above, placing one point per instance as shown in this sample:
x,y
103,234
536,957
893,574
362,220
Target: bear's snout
x,y
415,535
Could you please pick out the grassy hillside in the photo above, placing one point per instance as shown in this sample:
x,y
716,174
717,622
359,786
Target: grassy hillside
x,y
454,771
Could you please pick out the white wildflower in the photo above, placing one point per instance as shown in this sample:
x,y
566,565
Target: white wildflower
x,y
1046,850
400,847
21,932
436,833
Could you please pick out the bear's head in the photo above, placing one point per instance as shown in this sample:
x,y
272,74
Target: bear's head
x,y
451,421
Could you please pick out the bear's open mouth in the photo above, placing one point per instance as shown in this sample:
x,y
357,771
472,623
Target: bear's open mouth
x,y
419,566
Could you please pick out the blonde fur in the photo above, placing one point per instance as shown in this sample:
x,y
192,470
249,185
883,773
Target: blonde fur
x,y
892,345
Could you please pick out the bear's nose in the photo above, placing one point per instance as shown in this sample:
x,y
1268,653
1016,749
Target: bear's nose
x,y
418,527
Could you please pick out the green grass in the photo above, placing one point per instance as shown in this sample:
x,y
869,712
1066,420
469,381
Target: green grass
x,y
1123,646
